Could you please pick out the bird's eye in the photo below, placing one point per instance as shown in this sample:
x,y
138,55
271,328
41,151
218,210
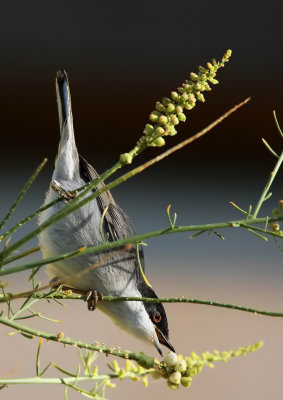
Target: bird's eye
x,y
156,317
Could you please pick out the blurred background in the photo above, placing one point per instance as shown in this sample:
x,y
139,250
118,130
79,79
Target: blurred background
x,y
121,57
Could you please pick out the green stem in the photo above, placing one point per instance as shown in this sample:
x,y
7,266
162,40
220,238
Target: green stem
x,y
139,238
77,202
70,380
73,296
141,358
22,193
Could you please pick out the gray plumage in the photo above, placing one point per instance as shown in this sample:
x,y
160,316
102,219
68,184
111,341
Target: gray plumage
x,y
117,272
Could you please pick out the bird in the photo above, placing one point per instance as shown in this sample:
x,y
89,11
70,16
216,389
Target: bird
x,y
115,273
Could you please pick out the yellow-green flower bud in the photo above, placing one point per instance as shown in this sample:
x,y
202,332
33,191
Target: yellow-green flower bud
x,y
214,62
180,90
171,385
191,98
159,130
159,142
156,374
198,86
276,212
159,106
181,117
170,108
171,359
126,158
154,116
189,106
173,119
179,109
209,66
163,120
148,129
175,378
166,101
172,131
213,81
184,97
175,96
201,69
206,86
187,87
180,366
186,381
200,97
193,76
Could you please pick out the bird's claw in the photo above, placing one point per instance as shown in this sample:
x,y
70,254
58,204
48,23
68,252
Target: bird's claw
x,y
92,298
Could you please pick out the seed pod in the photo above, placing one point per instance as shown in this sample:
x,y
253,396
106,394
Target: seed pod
x,y
159,106
148,129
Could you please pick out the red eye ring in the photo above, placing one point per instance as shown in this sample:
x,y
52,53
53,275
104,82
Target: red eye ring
x,y
156,317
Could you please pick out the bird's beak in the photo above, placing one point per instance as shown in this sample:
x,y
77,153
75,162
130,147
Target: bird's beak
x,y
160,338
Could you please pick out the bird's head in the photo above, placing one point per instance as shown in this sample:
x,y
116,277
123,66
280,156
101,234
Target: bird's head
x,y
147,321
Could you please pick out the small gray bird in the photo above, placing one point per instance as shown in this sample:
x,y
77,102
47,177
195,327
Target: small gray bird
x,y
114,272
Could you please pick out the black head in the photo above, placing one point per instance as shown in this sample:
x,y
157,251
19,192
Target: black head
x,y
157,315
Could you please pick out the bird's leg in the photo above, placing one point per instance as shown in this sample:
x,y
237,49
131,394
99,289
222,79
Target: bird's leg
x,y
55,185
92,298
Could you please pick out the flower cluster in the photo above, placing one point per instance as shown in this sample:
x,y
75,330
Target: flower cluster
x,y
179,370
170,111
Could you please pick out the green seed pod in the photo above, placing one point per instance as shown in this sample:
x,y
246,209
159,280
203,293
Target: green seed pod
x,y
200,97
175,96
179,109
181,117
159,106
193,76
126,158
148,129
163,120
173,119
159,130
175,378
170,108
186,381
154,116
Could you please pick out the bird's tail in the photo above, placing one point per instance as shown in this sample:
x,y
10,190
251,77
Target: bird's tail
x,y
67,162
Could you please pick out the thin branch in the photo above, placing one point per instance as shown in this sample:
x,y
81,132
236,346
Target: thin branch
x,y
77,296
139,238
22,193
141,358
80,200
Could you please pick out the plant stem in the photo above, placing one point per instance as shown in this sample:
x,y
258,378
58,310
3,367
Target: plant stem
x,y
70,380
74,296
141,358
22,193
138,238
79,201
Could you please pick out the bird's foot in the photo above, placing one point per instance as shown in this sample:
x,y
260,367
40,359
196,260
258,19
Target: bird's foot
x,y
65,194
92,298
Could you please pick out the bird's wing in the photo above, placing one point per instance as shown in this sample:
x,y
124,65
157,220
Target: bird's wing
x,y
117,222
